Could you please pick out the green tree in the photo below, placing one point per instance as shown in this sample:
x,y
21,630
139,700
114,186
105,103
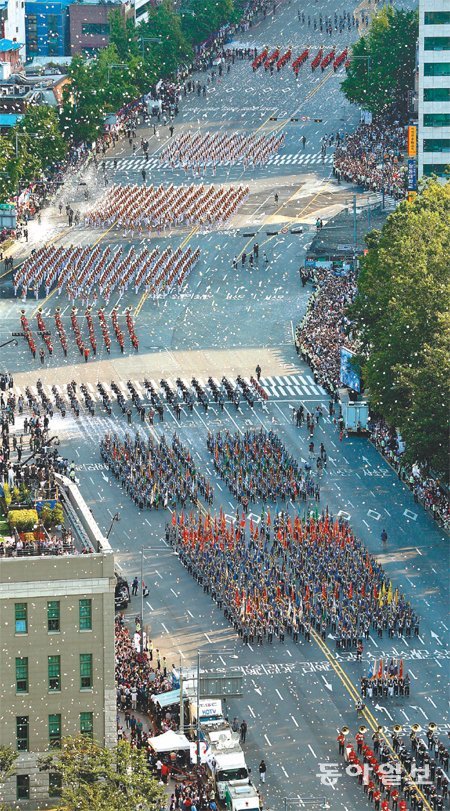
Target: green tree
x,y
200,18
9,170
123,35
400,311
162,60
8,759
382,73
99,779
49,146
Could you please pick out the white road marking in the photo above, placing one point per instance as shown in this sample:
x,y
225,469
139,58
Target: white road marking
x,y
312,750
267,740
295,722
279,694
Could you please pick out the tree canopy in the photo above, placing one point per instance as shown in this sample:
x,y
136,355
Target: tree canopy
x,y
382,63
402,314
99,779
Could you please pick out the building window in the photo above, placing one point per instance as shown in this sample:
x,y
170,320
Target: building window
x,y
85,615
22,733
54,731
21,674
54,673
439,169
23,786
436,44
436,69
436,145
437,18
53,615
87,724
436,94
436,120
21,615
85,670
54,784
95,29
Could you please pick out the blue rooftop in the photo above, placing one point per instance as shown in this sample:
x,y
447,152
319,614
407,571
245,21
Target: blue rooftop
x,y
9,119
9,45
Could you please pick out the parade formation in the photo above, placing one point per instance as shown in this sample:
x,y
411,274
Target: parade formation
x,y
197,151
139,208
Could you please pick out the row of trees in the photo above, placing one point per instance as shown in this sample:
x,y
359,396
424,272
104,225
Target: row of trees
x,y
94,778
30,149
103,84
380,76
402,314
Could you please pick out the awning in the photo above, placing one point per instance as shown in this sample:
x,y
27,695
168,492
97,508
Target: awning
x,y
167,699
9,119
170,741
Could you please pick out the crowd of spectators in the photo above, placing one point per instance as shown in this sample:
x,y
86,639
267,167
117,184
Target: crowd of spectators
x,y
139,675
373,157
427,489
55,544
325,327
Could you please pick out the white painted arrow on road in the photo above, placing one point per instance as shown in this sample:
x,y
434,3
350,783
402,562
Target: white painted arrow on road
x,y
435,636
105,477
258,690
431,701
419,709
327,684
383,709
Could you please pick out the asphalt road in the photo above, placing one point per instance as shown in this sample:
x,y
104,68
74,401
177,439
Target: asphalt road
x,y
295,697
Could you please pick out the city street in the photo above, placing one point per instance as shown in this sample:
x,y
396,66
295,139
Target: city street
x,y
226,321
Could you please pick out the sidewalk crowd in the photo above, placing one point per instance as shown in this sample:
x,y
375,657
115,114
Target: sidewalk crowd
x,y
373,157
325,327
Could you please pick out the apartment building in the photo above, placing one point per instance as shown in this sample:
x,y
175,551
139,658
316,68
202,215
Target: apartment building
x,y
434,88
56,652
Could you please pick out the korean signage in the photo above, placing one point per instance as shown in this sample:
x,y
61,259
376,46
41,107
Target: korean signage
x,y
412,142
412,174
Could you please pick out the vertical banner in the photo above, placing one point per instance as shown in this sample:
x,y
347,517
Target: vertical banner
x,y
412,174
412,141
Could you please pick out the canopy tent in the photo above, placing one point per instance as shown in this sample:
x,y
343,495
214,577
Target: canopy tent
x,y
170,741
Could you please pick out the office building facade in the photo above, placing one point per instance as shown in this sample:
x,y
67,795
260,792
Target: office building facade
x,y
56,656
434,88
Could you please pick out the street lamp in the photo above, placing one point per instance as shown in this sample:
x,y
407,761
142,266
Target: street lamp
x,y
24,135
157,40
113,67
116,517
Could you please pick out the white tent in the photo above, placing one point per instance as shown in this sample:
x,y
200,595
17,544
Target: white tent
x,y
169,741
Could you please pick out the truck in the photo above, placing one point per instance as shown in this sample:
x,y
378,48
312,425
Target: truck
x,y
226,765
210,712
355,413
242,798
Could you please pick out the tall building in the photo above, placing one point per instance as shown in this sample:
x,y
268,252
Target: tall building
x,y
12,23
47,28
434,88
56,652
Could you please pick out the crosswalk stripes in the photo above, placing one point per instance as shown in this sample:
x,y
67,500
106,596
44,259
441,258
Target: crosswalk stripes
x,y
277,387
137,164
